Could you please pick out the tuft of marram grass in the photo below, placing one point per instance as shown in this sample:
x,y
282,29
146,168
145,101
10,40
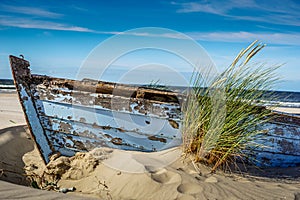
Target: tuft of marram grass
x,y
222,120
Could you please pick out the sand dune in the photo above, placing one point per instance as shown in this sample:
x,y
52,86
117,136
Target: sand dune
x,y
180,180
115,174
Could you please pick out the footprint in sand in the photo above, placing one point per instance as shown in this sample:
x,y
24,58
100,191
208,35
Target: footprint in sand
x,y
166,177
189,188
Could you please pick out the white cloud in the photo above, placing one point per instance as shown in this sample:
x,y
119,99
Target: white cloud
x,y
32,21
269,38
275,12
242,36
81,9
145,34
213,6
189,7
38,12
273,19
39,24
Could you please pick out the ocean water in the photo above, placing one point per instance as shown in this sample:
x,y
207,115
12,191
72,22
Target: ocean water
x,y
7,86
283,98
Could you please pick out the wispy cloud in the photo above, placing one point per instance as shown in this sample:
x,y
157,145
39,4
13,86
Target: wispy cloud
x,y
269,38
189,7
36,18
288,19
38,24
238,37
79,8
242,36
33,11
275,12
145,34
213,6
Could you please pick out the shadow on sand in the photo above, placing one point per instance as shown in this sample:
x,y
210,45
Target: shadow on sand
x,y
273,173
14,143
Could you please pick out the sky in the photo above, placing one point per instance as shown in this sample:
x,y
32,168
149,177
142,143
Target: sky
x,y
57,37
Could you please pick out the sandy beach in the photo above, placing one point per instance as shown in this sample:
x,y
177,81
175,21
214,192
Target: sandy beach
x,y
115,174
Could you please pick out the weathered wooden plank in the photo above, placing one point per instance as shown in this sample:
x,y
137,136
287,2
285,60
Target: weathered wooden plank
x,y
113,137
21,75
104,117
287,146
117,103
108,88
270,159
282,130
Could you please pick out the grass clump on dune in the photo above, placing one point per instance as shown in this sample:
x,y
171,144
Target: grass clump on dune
x,y
222,119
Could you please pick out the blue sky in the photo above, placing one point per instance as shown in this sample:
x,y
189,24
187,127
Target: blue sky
x,y
56,36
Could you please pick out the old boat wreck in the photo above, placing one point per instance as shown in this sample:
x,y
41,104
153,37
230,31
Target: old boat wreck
x,y
68,116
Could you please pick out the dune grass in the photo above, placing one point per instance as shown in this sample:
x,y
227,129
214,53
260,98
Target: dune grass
x,y
222,119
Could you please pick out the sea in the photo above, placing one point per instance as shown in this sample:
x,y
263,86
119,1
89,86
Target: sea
x,y
283,98
7,86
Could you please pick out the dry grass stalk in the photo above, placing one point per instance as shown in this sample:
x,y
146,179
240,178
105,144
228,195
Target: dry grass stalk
x,y
222,119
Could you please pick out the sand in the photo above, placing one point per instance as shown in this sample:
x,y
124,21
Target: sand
x,y
288,110
15,145
115,174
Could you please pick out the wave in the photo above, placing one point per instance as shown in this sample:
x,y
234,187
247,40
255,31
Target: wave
x,y
7,86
